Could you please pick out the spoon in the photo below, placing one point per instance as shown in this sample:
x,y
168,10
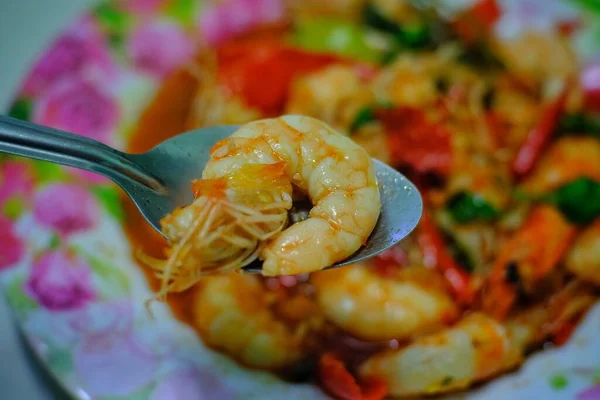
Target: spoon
x,y
159,181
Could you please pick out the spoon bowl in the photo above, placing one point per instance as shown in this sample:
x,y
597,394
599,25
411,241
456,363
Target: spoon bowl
x,y
158,181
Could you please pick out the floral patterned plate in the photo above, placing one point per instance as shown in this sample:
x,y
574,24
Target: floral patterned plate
x,y
66,265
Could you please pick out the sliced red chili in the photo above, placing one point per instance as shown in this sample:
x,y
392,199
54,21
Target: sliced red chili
x,y
435,254
538,137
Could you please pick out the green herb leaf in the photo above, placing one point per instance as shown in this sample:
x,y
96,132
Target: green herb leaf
x,y
373,18
367,114
461,254
413,36
363,117
559,382
109,197
480,55
578,200
579,124
468,207
21,109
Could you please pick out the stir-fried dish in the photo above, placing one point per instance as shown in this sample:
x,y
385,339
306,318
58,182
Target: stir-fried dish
x,y
502,142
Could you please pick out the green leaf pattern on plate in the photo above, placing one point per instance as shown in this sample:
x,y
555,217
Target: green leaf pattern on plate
x,y
19,300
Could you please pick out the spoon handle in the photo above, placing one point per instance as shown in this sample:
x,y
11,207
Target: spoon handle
x,y
42,143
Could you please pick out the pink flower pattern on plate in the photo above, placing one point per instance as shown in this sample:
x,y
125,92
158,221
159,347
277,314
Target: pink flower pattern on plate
x,y
113,364
142,7
231,17
157,48
80,50
591,393
11,246
66,208
16,181
89,177
79,106
190,382
60,280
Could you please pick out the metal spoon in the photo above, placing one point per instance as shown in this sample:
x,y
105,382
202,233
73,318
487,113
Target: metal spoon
x,y
159,181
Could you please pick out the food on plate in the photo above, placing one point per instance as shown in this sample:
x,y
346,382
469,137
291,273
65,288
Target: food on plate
x,y
240,211
504,149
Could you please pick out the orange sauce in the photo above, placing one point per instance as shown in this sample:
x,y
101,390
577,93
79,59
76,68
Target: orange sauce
x,y
165,117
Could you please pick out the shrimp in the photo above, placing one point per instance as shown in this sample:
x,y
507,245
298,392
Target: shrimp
x,y
235,314
409,81
526,258
477,348
536,57
583,259
210,105
373,307
334,95
567,159
247,187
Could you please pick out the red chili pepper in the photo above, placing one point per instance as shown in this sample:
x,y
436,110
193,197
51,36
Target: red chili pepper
x,y
416,142
476,22
261,71
339,382
539,137
435,254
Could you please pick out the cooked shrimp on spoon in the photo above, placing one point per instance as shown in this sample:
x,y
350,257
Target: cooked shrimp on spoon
x,y
239,211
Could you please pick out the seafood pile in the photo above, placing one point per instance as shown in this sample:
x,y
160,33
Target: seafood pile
x,y
502,139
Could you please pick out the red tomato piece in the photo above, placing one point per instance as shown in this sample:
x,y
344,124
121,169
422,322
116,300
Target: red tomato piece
x,y
261,71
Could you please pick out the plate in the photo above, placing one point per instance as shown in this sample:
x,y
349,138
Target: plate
x,y
66,265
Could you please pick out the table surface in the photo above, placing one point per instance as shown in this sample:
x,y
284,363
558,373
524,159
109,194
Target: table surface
x,y
26,27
